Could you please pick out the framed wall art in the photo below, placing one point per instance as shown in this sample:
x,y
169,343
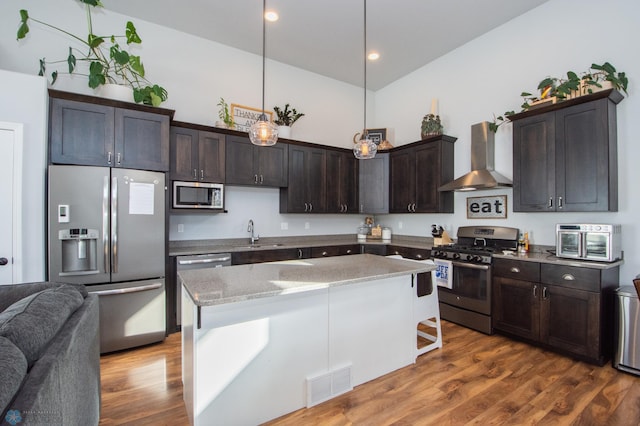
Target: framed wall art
x,y
494,207
245,116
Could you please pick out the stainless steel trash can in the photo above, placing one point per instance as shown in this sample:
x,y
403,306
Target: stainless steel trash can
x,y
627,348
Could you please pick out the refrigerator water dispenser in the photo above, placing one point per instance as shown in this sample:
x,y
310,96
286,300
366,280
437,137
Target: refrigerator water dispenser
x,y
79,251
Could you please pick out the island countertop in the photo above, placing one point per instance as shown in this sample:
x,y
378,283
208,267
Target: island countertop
x,y
231,284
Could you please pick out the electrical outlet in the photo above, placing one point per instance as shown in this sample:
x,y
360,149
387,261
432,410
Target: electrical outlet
x,y
307,225
284,226
400,225
180,227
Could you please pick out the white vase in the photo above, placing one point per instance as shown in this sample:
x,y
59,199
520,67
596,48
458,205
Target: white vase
x,y
284,132
116,92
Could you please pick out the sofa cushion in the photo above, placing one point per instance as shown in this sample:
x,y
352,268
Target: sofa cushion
x,y
13,370
30,323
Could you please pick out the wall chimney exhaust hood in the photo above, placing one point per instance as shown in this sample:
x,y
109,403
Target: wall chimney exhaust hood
x,y
482,175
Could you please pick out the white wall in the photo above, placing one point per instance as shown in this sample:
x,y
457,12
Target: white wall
x,y
472,83
24,100
487,75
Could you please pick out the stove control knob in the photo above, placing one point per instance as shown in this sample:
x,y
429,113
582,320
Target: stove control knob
x,y
477,258
456,256
469,257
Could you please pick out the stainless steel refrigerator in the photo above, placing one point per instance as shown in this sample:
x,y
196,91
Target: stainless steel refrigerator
x,y
107,231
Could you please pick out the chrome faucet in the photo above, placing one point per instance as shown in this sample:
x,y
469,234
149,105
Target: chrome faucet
x,y
254,237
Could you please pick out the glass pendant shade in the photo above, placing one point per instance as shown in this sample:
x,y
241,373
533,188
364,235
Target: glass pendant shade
x,y
365,149
263,132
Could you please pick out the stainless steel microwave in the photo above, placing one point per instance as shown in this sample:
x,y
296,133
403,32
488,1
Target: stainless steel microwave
x,y
198,195
601,242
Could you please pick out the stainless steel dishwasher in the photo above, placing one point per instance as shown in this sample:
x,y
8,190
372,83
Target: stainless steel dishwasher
x,y
197,261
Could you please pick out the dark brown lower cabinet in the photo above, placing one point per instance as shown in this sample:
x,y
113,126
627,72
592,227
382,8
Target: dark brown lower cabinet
x,y
563,308
338,250
276,255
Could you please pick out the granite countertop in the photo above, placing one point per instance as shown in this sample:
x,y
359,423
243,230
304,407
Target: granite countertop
x,y
546,257
194,247
215,286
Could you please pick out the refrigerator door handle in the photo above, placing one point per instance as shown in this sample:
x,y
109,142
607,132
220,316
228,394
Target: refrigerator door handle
x,y
127,290
114,225
105,223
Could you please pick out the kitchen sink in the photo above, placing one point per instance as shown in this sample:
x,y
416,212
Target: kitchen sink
x,y
262,245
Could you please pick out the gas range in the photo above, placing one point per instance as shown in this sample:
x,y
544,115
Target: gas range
x,y
476,244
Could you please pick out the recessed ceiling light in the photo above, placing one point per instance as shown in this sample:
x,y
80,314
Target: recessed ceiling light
x,y
271,16
373,56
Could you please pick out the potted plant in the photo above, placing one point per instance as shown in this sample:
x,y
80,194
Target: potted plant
x,y
226,119
431,125
285,118
552,90
105,60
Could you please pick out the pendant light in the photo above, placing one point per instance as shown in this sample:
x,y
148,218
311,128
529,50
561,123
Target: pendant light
x,y
263,132
365,148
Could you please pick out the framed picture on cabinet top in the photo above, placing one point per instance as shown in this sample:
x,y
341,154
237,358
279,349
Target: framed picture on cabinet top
x,y
245,116
376,135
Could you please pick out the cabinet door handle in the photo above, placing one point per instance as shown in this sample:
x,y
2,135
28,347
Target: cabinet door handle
x,y
418,256
310,207
560,202
201,174
195,174
324,253
544,293
299,253
413,207
515,269
306,207
568,277
255,179
535,291
349,251
109,157
118,158
550,205
261,179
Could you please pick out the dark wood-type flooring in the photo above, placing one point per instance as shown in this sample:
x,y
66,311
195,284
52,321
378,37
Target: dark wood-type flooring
x,y
474,379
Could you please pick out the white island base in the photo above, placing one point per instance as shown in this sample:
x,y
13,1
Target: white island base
x,y
251,361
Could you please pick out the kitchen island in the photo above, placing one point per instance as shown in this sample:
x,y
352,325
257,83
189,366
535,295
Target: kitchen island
x,y
262,340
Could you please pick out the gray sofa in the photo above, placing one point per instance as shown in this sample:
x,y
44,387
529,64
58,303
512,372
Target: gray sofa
x,y
49,355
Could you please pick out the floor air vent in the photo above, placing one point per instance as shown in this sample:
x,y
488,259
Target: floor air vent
x,y
326,386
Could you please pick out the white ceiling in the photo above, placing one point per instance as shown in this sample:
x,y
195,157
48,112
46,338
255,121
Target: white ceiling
x,y
326,36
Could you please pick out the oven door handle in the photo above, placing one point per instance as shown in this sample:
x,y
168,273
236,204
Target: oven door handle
x,y
471,266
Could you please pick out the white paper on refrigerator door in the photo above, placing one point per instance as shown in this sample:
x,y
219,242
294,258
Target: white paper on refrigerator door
x,y
442,274
141,198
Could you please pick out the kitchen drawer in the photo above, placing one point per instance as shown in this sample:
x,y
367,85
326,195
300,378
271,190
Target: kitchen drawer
x,y
409,252
339,250
571,277
259,256
517,270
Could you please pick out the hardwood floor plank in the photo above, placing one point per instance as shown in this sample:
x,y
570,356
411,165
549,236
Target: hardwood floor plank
x,y
474,379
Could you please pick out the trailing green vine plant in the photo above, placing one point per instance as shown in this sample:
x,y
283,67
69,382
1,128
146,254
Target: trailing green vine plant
x,y
107,61
565,88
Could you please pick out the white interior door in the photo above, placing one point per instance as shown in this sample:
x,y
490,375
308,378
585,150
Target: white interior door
x,y
10,182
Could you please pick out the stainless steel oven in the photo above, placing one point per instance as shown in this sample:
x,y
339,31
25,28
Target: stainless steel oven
x,y
468,301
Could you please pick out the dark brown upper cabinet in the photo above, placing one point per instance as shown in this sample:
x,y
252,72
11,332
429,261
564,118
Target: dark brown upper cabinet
x,y
248,164
565,156
342,182
416,171
306,192
197,155
91,131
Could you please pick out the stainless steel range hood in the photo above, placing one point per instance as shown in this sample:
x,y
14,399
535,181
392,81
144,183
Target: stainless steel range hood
x,y
482,175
